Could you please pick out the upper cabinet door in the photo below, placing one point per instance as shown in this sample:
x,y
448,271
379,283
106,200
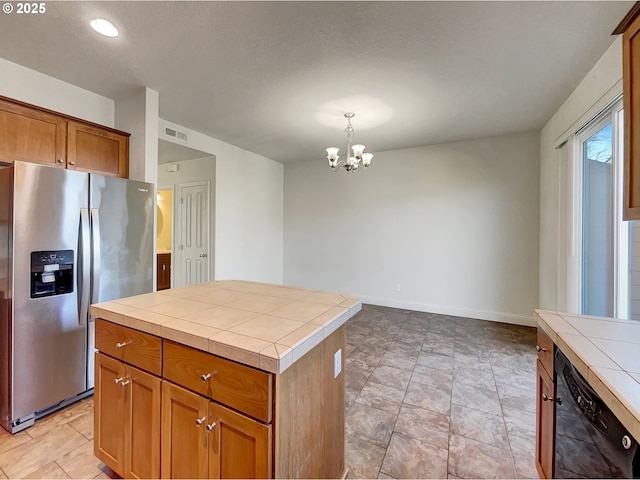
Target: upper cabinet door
x,y
92,149
31,135
630,25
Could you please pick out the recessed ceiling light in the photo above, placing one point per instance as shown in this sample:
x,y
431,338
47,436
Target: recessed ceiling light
x,y
104,27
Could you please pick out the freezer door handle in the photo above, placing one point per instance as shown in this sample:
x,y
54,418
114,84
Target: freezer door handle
x,y
95,239
85,251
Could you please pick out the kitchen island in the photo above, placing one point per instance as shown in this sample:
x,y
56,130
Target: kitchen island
x,y
604,351
225,379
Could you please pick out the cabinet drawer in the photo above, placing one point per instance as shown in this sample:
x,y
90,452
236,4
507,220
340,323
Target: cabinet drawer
x,y
545,351
242,388
131,346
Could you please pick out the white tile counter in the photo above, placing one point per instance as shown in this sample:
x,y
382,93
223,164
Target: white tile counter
x,y
261,325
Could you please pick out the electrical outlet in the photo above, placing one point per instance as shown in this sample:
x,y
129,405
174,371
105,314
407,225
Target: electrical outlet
x,y
396,288
337,363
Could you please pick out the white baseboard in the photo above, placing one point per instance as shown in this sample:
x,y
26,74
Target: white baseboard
x,y
454,311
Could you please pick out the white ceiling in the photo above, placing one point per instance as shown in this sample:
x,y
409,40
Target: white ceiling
x,y
276,77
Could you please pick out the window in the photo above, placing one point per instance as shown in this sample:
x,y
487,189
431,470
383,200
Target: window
x,y
604,238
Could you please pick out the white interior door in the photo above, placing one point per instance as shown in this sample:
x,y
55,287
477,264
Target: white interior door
x,y
193,235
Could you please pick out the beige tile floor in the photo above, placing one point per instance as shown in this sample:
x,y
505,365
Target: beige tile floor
x,y
57,446
428,396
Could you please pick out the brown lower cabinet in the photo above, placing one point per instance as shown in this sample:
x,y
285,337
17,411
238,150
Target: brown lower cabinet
x,y
545,423
127,397
545,406
214,441
167,410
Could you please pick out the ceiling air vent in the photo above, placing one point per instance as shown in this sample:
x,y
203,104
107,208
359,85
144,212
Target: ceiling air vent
x,y
177,134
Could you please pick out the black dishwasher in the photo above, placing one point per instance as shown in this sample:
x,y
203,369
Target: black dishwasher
x,y
590,441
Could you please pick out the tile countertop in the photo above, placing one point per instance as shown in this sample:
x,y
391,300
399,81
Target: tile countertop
x,y
265,326
606,351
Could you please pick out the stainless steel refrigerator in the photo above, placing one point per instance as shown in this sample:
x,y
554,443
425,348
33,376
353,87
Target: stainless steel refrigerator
x,y
67,239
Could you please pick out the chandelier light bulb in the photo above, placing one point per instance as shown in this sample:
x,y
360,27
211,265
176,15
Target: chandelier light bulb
x,y
332,153
357,150
366,159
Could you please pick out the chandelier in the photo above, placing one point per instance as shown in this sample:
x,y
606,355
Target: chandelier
x,y
353,162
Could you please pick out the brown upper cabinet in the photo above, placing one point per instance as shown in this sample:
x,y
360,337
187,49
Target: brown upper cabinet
x,y
629,28
32,134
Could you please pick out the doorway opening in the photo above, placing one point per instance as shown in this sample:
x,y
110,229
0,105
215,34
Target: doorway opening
x,y
164,237
185,213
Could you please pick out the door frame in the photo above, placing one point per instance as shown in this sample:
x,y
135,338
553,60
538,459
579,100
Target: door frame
x,y
177,219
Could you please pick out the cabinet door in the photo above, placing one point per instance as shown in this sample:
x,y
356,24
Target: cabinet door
x,y
142,427
164,271
545,423
184,433
240,447
109,397
631,101
30,135
92,149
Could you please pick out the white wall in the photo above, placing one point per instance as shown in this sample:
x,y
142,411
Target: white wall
x,y
599,88
136,112
24,84
455,225
248,210
249,219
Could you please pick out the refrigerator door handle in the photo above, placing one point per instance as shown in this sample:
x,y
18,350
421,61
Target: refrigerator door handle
x,y
95,239
85,251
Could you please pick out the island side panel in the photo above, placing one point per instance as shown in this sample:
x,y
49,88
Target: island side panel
x,y
309,414
334,401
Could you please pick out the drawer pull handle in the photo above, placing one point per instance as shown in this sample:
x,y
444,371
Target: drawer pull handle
x,y
206,376
212,426
124,383
200,421
61,160
118,380
540,349
72,163
122,345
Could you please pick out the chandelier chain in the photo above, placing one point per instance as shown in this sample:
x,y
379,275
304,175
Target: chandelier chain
x,y
349,130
